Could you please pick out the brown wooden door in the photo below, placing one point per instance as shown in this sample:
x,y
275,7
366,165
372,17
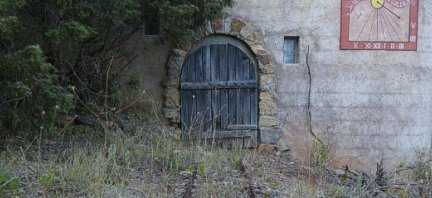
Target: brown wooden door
x,y
219,95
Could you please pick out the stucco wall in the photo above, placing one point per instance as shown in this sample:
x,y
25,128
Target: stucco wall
x,y
149,66
365,104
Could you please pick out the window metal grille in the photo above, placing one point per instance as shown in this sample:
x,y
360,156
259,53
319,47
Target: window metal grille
x,y
152,27
290,49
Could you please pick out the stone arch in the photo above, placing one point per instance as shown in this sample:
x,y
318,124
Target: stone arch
x,y
251,36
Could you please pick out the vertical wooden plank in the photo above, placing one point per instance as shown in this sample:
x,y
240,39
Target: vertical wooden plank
x,y
199,94
187,98
239,94
193,107
232,93
251,142
184,73
207,93
226,143
239,77
232,99
186,112
192,103
223,92
245,93
199,74
215,75
191,69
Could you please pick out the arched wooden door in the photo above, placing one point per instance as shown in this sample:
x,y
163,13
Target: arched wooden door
x,y
219,94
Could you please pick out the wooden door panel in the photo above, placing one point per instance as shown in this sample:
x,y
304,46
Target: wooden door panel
x,y
219,95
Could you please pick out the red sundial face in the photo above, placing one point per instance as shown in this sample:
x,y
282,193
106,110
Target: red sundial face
x,y
379,24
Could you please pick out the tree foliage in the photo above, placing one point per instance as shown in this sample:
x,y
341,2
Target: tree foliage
x,y
47,46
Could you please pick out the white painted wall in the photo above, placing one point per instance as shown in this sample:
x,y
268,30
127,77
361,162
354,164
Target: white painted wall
x,y
366,105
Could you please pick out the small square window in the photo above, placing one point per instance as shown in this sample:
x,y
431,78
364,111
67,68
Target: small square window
x,y
152,27
290,49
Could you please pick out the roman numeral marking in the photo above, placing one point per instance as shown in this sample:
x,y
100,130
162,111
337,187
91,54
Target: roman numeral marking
x,y
356,45
377,45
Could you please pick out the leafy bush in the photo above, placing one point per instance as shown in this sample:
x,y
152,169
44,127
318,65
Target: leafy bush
x,y
30,96
319,154
47,46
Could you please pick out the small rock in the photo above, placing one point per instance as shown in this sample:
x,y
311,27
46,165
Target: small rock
x,y
282,145
339,172
185,174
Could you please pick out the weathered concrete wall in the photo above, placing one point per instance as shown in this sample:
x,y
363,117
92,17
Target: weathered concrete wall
x,y
366,105
149,65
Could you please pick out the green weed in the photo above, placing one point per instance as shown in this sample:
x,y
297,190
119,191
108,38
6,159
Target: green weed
x,y
320,154
9,185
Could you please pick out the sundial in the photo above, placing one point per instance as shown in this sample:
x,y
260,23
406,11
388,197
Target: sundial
x,y
379,25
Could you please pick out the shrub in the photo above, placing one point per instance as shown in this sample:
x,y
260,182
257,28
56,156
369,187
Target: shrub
x,y
30,96
47,46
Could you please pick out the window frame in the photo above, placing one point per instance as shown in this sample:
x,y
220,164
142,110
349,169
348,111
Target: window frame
x,y
152,27
291,52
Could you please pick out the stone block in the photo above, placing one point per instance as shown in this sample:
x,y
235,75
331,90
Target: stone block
x,y
264,57
172,81
269,136
174,72
179,53
256,48
172,98
267,107
266,96
217,25
255,38
236,26
267,69
267,83
246,32
208,28
269,121
175,63
283,145
171,113
227,26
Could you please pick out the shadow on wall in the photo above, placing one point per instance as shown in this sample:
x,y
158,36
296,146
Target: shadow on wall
x,y
146,72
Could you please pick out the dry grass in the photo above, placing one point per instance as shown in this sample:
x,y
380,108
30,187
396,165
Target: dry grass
x,y
150,161
143,163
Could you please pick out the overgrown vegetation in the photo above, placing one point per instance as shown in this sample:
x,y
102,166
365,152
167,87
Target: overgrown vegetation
x,y
403,181
80,166
47,47
320,154
150,161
